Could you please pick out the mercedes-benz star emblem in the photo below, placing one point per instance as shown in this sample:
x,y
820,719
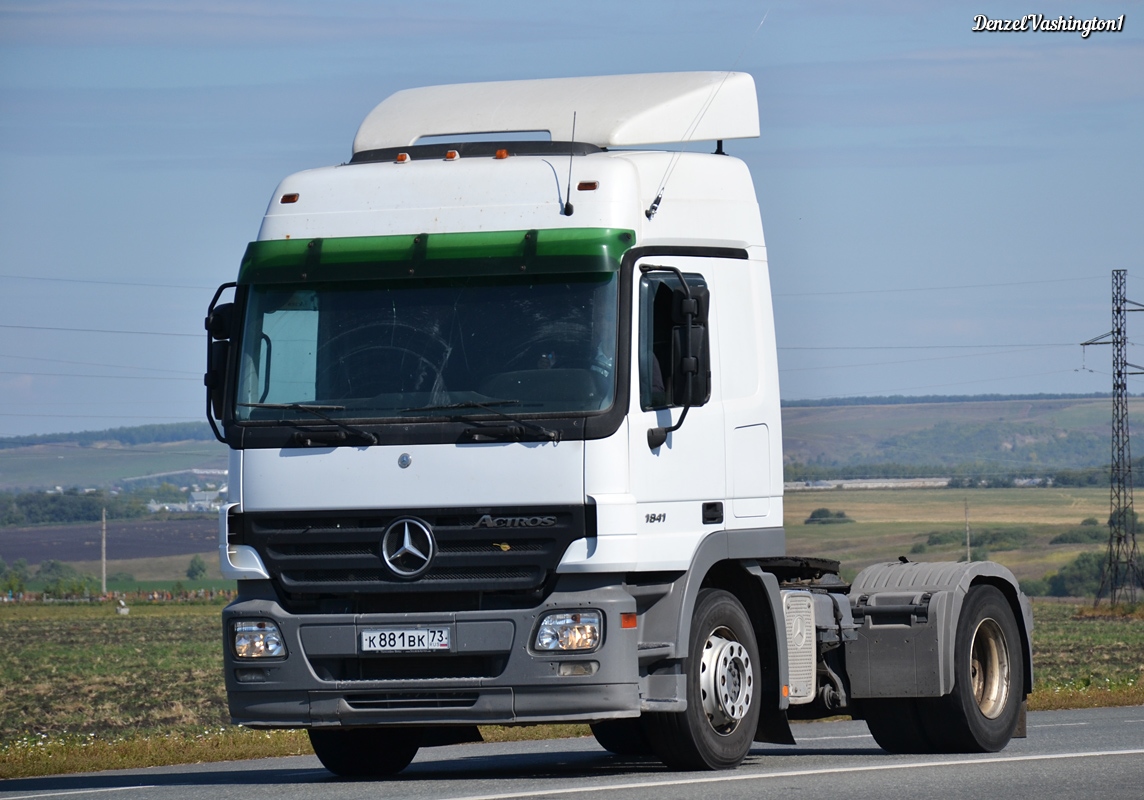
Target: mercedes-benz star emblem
x,y
408,547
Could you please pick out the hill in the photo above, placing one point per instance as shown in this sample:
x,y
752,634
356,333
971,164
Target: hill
x,y
847,437
1000,435
96,459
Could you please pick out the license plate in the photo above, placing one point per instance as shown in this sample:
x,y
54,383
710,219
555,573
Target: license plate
x,y
405,640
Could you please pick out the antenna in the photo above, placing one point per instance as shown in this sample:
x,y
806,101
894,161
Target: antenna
x,y
568,201
654,207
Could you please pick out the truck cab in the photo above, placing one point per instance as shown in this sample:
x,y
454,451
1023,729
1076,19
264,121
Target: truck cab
x,y
501,397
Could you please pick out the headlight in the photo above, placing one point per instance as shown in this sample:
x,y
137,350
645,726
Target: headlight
x,y
259,639
568,630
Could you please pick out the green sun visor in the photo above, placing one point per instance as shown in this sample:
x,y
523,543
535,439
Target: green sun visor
x,y
435,255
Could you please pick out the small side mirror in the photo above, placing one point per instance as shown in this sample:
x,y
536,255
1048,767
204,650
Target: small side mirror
x,y
220,321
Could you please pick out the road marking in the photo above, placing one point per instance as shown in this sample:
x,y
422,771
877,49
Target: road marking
x,y
1061,724
614,787
76,791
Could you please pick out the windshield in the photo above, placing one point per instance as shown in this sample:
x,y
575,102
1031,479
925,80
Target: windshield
x,y
405,348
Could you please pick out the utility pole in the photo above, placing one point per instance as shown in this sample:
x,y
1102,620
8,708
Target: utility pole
x,y
968,558
103,553
1122,566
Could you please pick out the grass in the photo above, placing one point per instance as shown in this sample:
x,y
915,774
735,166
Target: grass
x,y
165,569
1086,658
83,689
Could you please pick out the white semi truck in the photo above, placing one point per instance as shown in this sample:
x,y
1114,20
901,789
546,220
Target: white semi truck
x,y
501,396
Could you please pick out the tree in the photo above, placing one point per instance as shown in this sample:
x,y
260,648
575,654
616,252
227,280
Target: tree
x,y
1079,578
62,580
824,516
197,569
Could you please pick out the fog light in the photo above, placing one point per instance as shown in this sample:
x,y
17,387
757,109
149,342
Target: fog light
x,y
578,668
251,675
258,640
569,631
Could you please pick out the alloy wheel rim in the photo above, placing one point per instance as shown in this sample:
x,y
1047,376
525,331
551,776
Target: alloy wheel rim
x,y
726,681
989,668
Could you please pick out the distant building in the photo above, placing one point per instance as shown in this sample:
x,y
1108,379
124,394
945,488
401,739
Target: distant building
x,y
204,501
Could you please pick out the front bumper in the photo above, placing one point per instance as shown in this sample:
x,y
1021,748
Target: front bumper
x,y
491,675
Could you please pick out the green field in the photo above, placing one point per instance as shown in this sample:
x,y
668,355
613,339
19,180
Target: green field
x,y
889,523
84,688
159,570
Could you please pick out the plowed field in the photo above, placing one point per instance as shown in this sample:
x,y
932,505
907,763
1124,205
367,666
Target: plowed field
x,y
126,539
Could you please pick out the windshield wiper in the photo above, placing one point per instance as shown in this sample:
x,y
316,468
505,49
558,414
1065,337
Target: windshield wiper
x,y
319,412
487,406
492,432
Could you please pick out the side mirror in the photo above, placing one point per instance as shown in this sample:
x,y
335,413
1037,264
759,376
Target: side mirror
x,y
220,324
215,378
220,321
690,353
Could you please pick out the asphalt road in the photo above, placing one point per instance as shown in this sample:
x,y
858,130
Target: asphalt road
x,y
1094,754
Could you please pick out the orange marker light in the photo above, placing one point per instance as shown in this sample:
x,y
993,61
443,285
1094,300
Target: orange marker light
x,y
402,158
452,155
289,198
587,186
502,153
628,620
786,690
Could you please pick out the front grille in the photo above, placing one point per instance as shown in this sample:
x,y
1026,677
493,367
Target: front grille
x,y
408,668
301,579
411,700
321,554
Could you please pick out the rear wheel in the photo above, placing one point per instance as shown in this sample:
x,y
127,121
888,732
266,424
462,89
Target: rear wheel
x,y
365,752
716,730
624,737
981,713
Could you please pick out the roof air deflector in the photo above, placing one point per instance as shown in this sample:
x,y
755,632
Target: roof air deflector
x,y
613,110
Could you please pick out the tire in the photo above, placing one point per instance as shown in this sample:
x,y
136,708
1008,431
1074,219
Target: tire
x,y
981,714
896,725
623,737
722,670
365,752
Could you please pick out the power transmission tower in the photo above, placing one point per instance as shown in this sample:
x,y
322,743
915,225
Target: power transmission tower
x,y
1122,572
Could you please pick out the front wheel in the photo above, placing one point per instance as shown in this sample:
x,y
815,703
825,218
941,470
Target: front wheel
x,y
622,737
722,667
365,752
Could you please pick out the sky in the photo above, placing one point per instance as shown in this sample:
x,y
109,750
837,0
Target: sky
x,y
943,208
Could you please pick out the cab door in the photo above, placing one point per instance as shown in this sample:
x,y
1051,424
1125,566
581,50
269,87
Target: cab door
x,y
680,486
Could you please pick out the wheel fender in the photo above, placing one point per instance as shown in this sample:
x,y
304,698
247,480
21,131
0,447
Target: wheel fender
x,y
670,619
917,659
